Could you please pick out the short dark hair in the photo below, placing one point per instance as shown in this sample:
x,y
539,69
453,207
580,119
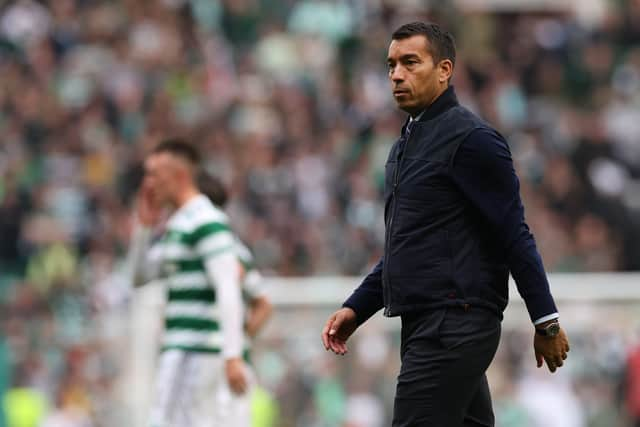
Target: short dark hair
x,y
213,188
178,147
441,43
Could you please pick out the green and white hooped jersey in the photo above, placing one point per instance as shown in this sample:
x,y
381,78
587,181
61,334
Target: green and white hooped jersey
x,y
194,233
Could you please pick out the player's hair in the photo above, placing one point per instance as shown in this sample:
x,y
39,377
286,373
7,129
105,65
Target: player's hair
x,y
441,43
180,148
213,188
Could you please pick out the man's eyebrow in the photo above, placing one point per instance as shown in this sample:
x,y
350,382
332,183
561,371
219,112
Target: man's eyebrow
x,y
409,56
404,57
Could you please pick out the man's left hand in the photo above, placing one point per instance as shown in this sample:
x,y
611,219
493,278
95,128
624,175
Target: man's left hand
x,y
552,350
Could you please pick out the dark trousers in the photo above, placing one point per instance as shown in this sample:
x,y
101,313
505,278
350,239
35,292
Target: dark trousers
x,y
445,354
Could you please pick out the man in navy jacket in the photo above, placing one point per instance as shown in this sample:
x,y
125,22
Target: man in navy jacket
x,y
454,230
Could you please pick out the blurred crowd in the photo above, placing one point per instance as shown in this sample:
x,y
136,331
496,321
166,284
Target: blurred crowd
x,y
288,101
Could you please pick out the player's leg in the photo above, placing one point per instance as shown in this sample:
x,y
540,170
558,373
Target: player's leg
x,y
445,354
233,410
239,414
203,398
187,409
197,403
206,399
166,389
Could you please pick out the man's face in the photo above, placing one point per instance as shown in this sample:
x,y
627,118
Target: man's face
x,y
415,80
160,174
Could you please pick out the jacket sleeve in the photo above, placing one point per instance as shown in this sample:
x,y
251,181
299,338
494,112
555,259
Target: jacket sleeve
x,y
483,170
367,298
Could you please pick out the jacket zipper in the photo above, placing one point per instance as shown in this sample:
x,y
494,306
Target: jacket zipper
x,y
386,284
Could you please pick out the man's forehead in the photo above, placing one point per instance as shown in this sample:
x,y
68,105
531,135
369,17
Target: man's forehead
x,y
155,158
417,45
167,159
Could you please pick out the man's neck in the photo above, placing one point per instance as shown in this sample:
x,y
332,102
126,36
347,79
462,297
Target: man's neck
x,y
186,196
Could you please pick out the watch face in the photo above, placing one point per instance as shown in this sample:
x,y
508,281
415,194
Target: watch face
x,y
553,329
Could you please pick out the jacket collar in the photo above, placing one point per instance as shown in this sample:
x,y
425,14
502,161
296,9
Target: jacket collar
x,y
444,102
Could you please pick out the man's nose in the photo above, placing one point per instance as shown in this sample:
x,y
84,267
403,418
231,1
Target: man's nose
x,y
397,74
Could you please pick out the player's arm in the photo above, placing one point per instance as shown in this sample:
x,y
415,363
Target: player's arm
x,y
143,264
362,304
222,269
483,170
260,308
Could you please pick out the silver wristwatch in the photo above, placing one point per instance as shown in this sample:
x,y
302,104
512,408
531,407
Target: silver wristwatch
x,y
551,330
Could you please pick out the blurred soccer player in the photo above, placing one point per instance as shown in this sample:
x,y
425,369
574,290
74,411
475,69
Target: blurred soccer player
x,y
257,305
202,379
455,228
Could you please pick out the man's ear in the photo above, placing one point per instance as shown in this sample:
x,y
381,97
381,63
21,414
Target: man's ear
x,y
445,70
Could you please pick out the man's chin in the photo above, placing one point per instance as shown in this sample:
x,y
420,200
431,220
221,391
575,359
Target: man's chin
x,y
407,107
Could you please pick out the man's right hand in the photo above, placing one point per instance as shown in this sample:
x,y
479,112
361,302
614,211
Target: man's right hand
x,y
236,375
338,329
147,207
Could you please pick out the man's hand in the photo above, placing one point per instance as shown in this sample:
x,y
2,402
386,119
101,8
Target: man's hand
x,y
147,207
552,350
338,329
236,377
